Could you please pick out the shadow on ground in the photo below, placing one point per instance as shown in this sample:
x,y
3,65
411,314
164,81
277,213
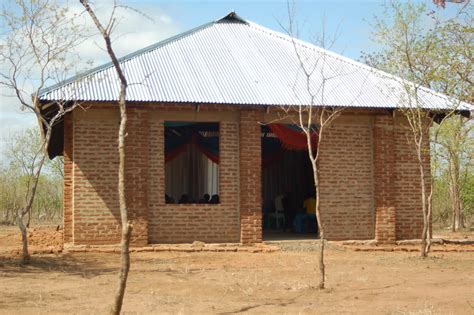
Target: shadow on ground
x,y
87,266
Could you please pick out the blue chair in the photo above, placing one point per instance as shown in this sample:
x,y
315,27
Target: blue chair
x,y
305,223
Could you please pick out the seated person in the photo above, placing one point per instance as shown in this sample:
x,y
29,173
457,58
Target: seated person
x,y
305,223
169,199
309,205
214,199
184,199
205,199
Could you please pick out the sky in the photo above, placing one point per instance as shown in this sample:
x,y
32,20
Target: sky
x,y
350,19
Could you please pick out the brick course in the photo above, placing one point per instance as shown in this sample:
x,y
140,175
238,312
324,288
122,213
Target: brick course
x,y
136,173
250,177
346,180
95,199
369,182
68,176
407,186
384,164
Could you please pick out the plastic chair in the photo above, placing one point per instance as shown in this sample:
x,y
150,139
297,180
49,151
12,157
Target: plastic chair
x,y
279,214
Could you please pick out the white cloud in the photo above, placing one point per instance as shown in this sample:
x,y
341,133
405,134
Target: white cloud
x,y
12,120
134,30
166,19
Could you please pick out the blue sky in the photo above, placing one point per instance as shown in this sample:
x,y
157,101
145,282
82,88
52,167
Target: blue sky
x,y
350,17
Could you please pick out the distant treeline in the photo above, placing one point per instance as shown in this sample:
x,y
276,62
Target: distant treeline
x,y
18,161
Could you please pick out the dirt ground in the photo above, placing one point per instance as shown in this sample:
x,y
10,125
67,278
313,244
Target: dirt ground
x,y
228,283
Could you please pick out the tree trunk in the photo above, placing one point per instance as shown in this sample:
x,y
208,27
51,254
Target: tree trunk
x,y
31,197
315,165
429,215
126,227
124,269
122,102
424,234
454,146
455,193
322,267
25,257
456,208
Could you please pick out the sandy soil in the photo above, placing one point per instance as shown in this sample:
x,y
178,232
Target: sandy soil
x,y
228,283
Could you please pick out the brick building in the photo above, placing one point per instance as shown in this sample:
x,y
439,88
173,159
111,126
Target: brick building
x,y
211,90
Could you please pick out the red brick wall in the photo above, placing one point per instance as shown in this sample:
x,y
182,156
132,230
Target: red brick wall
x,y
368,173
136,173
250,177
68,176
96,213
156,182
184,223
347,199
397,180
96,210
407,185
384,164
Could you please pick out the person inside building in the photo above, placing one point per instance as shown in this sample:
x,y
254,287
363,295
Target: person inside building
x,y
306,222
184,199
205,199
309,204
310,219
214,199
169,199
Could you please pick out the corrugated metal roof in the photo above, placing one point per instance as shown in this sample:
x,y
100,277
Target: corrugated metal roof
x,y
233,61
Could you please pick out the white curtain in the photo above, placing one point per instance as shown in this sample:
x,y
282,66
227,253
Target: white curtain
x,y
191,173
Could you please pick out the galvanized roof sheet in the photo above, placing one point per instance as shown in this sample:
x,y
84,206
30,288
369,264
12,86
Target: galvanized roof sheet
x,y
233,61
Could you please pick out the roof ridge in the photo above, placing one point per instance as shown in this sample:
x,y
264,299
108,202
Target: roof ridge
x,y
232,16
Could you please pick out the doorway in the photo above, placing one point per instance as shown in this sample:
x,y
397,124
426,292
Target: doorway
x,y
287,185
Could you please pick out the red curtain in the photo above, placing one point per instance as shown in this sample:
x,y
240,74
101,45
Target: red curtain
x,y
292,139
210,155
171,155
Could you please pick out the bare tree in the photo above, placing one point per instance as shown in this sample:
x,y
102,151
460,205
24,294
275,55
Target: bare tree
x,y
314,119
455,37
106,31
423,58
456,150
322,116
36,50
419,122
314,114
